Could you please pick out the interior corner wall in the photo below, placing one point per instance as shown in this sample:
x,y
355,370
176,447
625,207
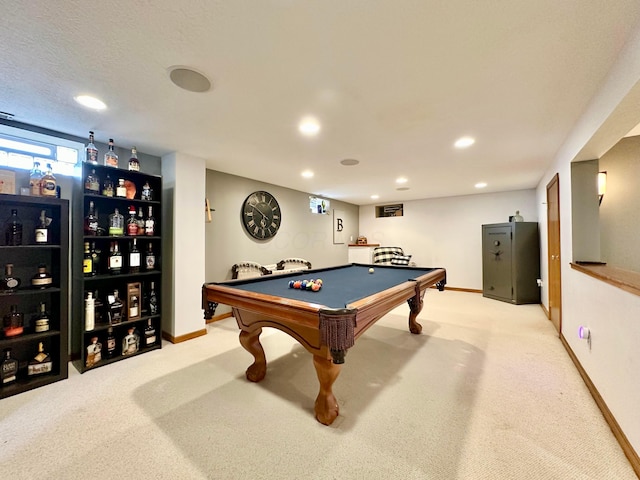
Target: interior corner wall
x,y
183,244
447,232
585,220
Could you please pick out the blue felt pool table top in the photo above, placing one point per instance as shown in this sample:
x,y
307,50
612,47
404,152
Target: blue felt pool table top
x,y
341,285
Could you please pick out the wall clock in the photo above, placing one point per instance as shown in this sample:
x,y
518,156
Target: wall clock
x,y
261,215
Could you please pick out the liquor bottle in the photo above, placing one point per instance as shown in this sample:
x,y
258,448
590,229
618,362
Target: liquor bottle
x,y
147,192
48,183
110,156
9,281
42,278
115,259
149,258
94,352
91,221
95,260
130,342
134,257
132,222
8,368
89,312
111,343
134,163
91,151
92,182
116,308
42,229
41,321
121,190
116,224
150,223
13,229
35,177
140,220
87,262
98,310
41,363
13,323
107,187
149,334
153,300
134,307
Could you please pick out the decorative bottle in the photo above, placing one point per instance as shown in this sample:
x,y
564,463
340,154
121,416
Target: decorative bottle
x,y
132,223
111,343
89,312
92,182
147,192
116,224
42,278
150,258
149,334
91,151
13,323
48,183
8,368
87,262
134,163
107,187
134,257
9,281
91,221
42,229
110,156
130,342
41,363
150,223
116,308
115,259
94,352
153,300
121,190
13,229
42,320
35,177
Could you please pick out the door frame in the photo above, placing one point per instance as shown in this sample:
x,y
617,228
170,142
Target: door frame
x,y
554,253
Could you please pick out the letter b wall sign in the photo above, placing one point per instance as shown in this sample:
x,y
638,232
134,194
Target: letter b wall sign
x,y
338,226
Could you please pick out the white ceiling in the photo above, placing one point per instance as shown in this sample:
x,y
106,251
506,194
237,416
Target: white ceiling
x,y
393,82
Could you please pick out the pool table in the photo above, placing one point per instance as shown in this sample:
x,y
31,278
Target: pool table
x,y
326,322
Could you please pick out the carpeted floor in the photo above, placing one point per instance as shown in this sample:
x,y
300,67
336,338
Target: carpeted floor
x,y
485,392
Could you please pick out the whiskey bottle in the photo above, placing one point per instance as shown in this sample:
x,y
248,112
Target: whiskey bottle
x,y
42,278
42,229
87,262
149,334
140,220
8,368
134,307
147,192
95,260
149,258
130,342
134,163
92,182
41,321
116,308
13,323
150,223
89,312
107,187
153,300
9,281
35,177
91,151
13,229
132,222
121,190
48,183
94,352
134,257
110,156
41,363
91,221
115,259
111,343
116,224
98,310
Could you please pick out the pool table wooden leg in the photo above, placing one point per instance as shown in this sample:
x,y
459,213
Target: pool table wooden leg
x,y
415,306
326,404
250,340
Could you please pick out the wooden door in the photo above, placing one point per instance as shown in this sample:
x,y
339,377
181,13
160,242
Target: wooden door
x,y
554,258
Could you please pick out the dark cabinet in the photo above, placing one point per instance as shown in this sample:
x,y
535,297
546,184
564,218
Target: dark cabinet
x,y
511,262
27,299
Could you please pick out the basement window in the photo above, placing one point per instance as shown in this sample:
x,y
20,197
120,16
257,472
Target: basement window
x,y
389,210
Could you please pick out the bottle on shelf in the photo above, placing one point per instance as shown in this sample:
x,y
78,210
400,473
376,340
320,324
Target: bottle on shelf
x,y
9,281
149,258
41,321
13,229
42,229
92,182
110,156
149,334
98,310
89,312
116,308
130,342
95,260
48,183
121,189
8,369
115,259
140,220
111,343
134,257
35,177
147,192
108,189
134,163
94,352
132,222
91,151
153,300
87,262
42,278
41,363
13,323
134,307
150,223
91,221
116,224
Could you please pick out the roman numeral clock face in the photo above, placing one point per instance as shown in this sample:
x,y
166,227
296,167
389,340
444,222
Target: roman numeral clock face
x,y
261,215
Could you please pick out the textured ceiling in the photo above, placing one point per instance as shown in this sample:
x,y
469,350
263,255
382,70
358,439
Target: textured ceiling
x,y
393,83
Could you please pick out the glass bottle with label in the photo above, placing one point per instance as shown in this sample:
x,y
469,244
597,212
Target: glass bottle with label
x,y
9,281
121,189
107,187
115,259
149,258
91,151
87,262
94,352
41,320
95,259
150,223
41,363
147,192
116,224
115,308
140,220
8,368
48,183
98,310
89,312
153,300
42,229
149,334
92,182
13,229
91,221
110,156
132,222
35,177
111,343
134,163
13,323
42,278
130,342
134,257
134,307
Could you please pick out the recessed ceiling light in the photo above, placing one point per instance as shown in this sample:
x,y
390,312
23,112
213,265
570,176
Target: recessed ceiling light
x,y
401,180
309,126
480,185
375,197
90,102
307,174
349,162
464,142
402,189
188,79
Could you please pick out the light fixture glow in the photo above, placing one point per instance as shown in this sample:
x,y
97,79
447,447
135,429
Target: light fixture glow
x,y
480,185
401,180
309,126
464,142
90,102
375,197
307,174
602,185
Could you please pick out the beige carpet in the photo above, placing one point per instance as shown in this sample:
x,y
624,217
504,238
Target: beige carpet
x,y
486,392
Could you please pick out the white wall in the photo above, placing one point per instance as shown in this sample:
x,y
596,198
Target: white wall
x,y
447,232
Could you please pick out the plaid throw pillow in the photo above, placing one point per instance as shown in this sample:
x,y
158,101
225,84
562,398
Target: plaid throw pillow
x,y
401,260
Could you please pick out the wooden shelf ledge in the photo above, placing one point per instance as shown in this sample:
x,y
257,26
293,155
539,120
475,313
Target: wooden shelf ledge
x,y
624,279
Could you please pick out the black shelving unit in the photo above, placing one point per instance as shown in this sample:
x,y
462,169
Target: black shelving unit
x,y
103,282
25,259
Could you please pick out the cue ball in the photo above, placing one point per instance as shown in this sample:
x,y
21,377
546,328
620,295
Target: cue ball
x,y
371,270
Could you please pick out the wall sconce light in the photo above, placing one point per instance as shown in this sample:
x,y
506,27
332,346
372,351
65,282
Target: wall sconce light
x,y
602,185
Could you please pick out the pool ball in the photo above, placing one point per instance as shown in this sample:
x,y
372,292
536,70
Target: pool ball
x,y
371,270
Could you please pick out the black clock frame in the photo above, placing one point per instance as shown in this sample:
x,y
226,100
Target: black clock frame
x,y
265,225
